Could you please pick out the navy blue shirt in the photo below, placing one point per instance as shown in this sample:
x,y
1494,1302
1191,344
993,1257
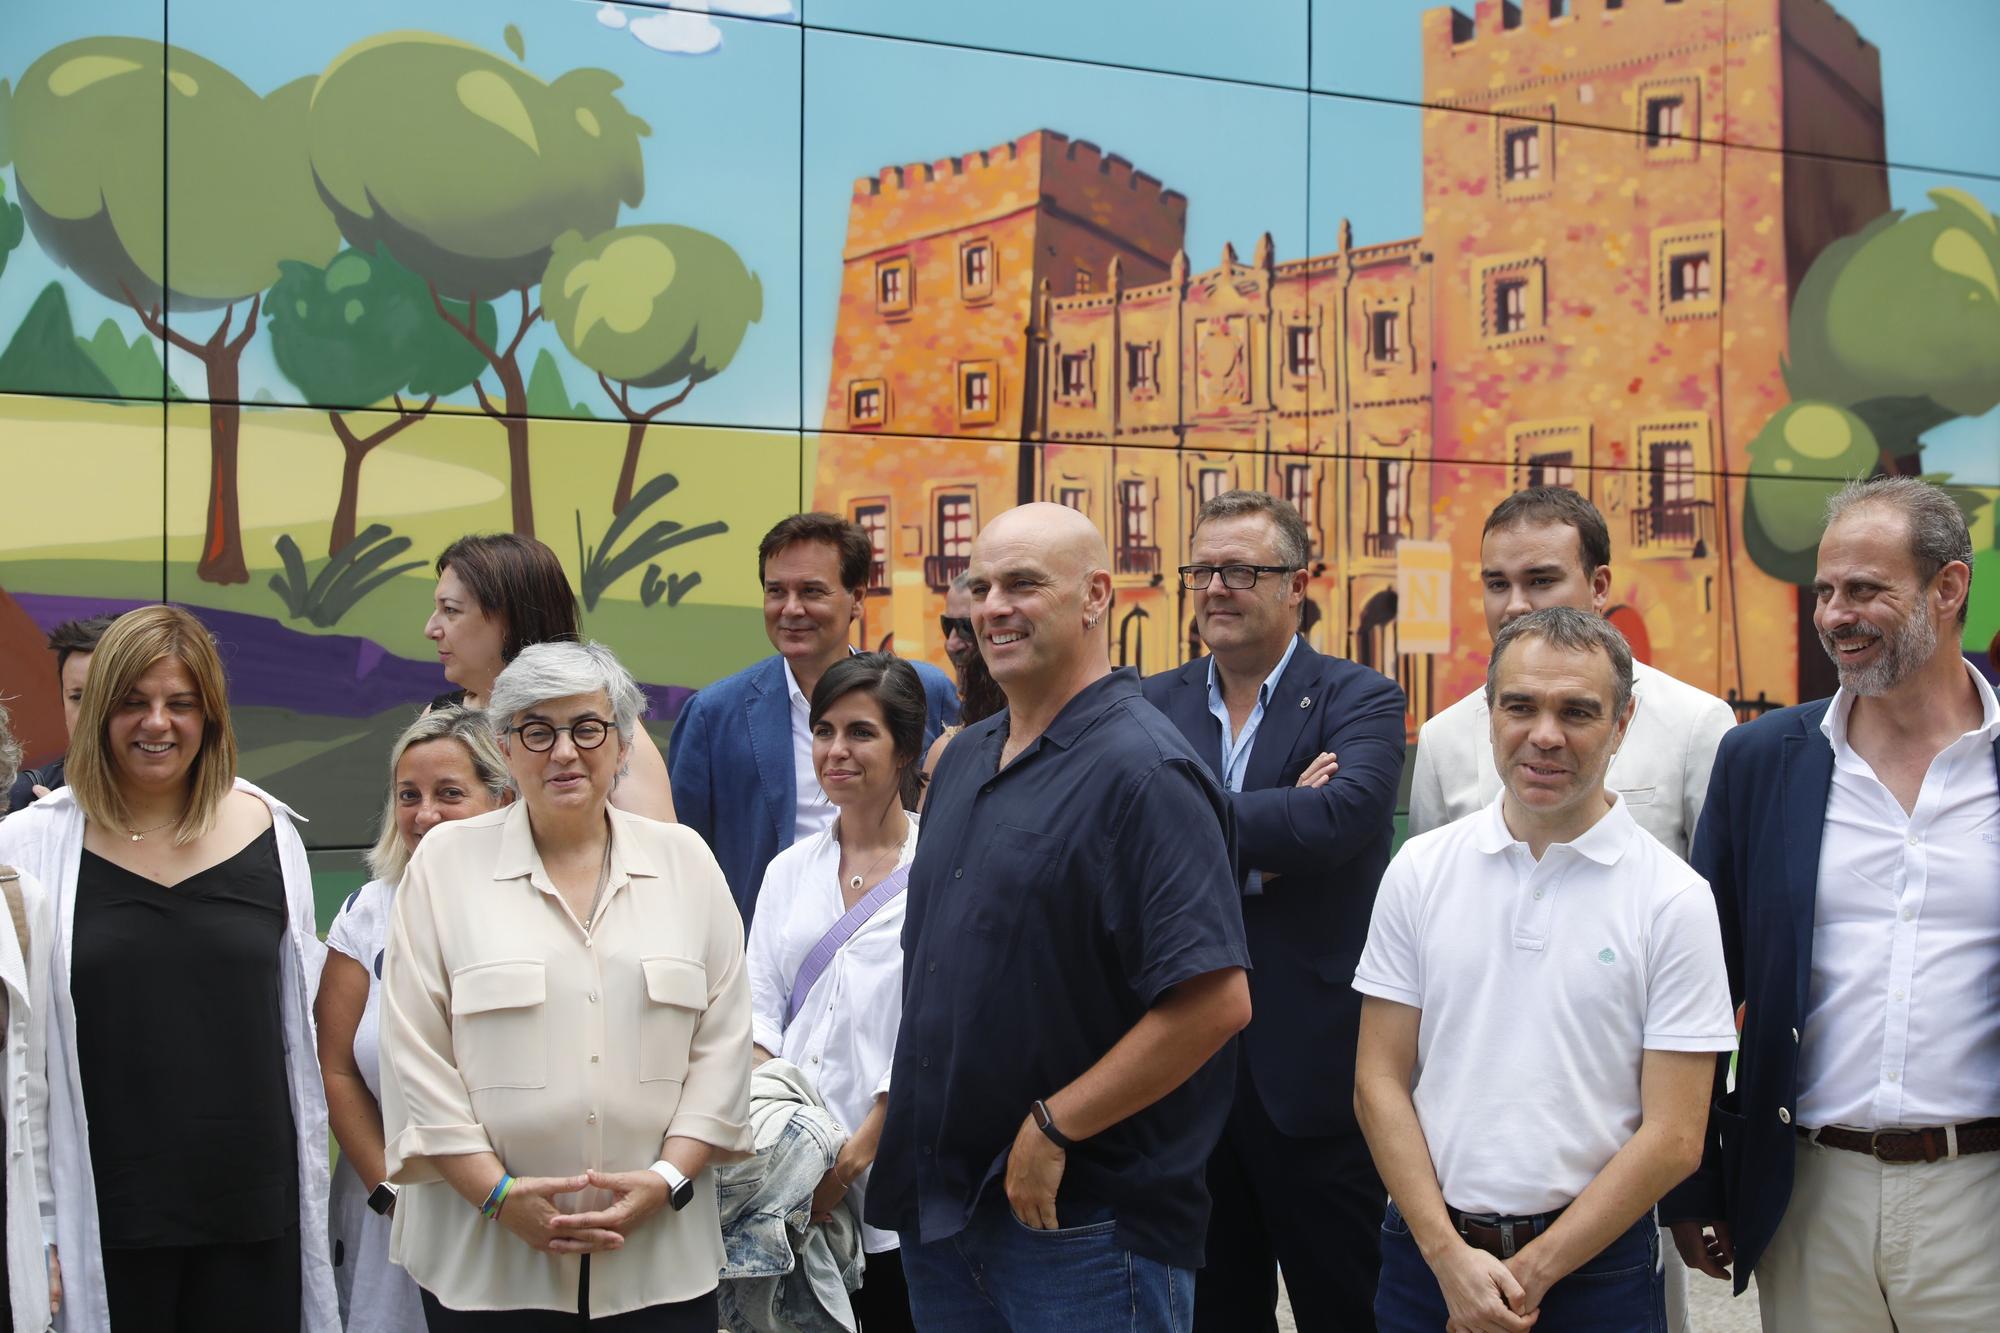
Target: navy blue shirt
x,y
1050,905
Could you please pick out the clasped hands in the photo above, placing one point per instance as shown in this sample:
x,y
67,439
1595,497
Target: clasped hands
x,y
1485,1294
531,1214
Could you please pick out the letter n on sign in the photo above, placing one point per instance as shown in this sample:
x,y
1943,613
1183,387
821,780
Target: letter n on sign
x,y
1423,597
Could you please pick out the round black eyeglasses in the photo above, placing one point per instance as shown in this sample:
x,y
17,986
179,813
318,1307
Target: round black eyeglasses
x,y
585,735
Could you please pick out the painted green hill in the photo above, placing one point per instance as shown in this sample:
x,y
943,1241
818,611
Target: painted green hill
x,y
45,356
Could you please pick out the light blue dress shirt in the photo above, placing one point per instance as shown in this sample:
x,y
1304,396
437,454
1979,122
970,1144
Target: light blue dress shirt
x,y
1236,745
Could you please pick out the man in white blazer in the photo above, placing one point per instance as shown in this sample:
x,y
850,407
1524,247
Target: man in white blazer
x,y
1548,546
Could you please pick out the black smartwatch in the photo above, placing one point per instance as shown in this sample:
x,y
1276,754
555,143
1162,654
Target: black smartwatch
x,y
383,1198
680,1190
1047,1124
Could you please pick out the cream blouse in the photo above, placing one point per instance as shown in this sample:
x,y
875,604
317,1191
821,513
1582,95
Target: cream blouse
x,y
506,1026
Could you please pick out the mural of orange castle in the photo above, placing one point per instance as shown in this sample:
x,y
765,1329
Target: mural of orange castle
x,y
1558,321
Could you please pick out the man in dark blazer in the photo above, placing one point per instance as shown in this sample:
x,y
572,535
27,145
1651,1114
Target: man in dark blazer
x,y
1311,750
1853,846
741,752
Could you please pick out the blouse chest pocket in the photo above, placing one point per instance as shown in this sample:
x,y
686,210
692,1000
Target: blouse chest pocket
x,y
499,1024
1018,865
676,998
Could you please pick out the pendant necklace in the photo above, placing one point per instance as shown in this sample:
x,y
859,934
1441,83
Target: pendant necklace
x,y
854,882
139,835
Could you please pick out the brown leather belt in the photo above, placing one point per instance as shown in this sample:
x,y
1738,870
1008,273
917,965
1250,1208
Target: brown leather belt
x,y
1501,1237
1903,1146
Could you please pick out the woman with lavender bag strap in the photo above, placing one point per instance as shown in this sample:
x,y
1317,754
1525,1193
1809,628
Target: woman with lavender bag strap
x,y
825,956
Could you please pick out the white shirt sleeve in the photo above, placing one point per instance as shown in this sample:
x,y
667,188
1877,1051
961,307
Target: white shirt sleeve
x,y
1390,967
770,988
1708,726
344,935
1426,784
1687,984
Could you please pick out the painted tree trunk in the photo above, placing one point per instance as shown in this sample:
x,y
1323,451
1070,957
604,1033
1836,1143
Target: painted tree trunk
x,y
520,485
628,472
222,539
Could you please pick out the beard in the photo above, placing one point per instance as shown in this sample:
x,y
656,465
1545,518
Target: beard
x,y
1905,647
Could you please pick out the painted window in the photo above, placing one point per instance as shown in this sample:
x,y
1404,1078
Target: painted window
x,y
1136,553
867,403
893,294
978,392
1510,305
1666,119
1210,482
873,519
1690,278
975,269
1142,367
1074,497
1073,377
1524,154
1385,335
1301,349
953,542
1556,468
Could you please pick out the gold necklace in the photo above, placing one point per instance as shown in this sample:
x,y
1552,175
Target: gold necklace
x,y
139,835
854,882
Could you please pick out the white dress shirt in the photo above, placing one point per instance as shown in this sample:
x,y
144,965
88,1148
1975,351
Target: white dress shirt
x,y
1661,771
1902,1026
811,810
1236,745
1542,984
508,1027
844,1035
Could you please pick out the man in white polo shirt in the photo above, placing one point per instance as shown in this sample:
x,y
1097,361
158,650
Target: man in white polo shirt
x,y
1544,993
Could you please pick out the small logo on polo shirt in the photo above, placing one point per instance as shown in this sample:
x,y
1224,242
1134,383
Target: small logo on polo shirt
x,y
1606,956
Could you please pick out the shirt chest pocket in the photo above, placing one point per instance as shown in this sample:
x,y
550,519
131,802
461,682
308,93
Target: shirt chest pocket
x,y
1017,865
676,998
499,1024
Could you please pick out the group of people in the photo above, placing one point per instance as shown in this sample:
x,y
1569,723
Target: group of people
x,y
1045,997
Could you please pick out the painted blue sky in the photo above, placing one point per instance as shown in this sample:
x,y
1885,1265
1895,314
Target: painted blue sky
x,y
760,127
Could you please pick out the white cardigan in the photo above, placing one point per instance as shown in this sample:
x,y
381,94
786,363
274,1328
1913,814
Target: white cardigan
x,y
23,1073
46,840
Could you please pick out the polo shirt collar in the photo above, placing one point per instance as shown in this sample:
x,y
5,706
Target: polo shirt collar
x,y
1265,690
1603,842
1088,705
519,858
1834,724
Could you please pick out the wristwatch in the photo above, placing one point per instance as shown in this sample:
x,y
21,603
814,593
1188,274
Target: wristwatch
x,y
383,1198
679,1188
1046,1123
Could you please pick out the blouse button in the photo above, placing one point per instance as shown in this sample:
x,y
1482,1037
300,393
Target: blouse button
x,y
592,997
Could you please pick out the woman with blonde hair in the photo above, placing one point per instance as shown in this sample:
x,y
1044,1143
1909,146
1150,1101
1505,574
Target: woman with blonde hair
x,y
444,766
187,1125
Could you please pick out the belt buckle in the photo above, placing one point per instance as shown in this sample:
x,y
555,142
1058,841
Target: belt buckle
x,y
1875,1138
1507,1247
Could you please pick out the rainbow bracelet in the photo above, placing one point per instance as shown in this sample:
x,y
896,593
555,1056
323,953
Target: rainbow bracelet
x,y
490,1210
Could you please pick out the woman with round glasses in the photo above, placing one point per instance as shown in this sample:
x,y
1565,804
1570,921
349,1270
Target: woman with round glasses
x,y
565,1034
443,767
496,594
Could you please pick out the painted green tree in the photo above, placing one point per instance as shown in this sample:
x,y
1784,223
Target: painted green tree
x,y
466,167
1895,330
358,331
12,225
647,307
84,135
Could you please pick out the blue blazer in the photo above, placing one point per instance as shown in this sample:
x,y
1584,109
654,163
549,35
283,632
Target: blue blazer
x,y
730,758
1758,846
1327,849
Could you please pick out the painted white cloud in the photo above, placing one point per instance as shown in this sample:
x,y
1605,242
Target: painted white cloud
x,y
678,32
753,9
611,16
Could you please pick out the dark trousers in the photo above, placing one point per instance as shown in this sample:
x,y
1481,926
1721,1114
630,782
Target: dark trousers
x,y
699,1315
201,1288
1620,1290
883,1303
1311,1206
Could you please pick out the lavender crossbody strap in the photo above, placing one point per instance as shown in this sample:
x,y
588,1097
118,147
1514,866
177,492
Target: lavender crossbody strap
x,y
839,933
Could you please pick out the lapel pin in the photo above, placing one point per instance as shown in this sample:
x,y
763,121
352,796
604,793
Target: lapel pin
x,y
1306,701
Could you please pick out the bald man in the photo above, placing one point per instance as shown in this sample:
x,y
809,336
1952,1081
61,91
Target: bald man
x,y
1073,963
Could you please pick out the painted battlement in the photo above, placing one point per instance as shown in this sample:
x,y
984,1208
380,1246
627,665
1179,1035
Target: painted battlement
x,y
1468,58
1044,156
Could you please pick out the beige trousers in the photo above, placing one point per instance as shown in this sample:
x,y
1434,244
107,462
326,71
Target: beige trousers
x,y
1866,1247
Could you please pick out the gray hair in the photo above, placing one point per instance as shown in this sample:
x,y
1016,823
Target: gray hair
x,y
545,671
1294,542
962,582
10,756
1573,631
1938,531
388,856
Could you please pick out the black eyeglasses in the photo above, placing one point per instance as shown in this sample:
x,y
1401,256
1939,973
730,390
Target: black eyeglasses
x,y
959,625
1196,577
585,735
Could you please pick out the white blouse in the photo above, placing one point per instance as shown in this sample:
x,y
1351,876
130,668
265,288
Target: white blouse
x,y
844,1035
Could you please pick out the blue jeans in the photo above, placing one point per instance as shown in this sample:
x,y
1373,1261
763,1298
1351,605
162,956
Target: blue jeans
x,y
998,1276
1621,1289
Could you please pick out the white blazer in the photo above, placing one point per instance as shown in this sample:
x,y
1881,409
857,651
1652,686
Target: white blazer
x,y
23,1072
46,840
1661,770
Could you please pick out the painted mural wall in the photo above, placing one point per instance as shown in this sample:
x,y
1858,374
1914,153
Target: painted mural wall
x,y
287,303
